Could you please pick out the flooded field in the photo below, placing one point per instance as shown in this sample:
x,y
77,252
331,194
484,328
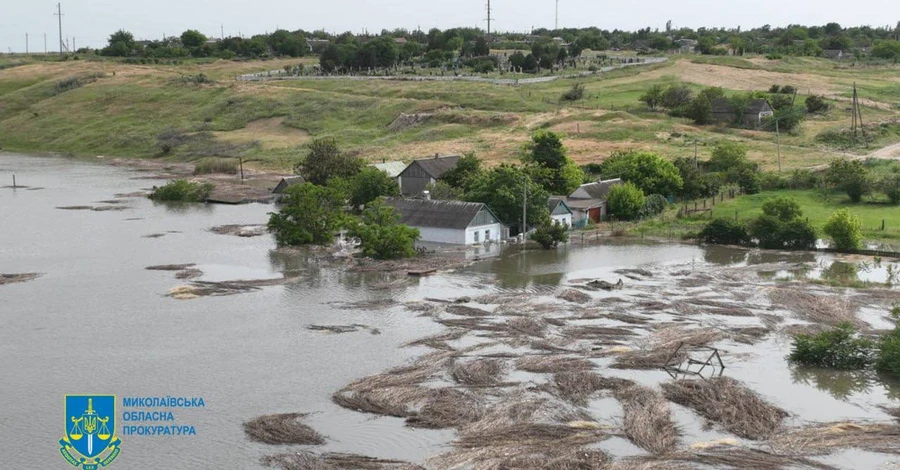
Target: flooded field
x,y
284,331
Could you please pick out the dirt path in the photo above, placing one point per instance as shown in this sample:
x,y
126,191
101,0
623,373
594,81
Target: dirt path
x,y
891,152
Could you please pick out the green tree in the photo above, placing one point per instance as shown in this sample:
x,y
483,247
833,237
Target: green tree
x,y
652,97
325,160
696,183
121,44
649,171
441,191
503,189
370,184
889,184
182,191
481,47
725,232
548,164
192,39
728,155
700,110
782,208
466,170
676,96
382,236
840,348
550,235
625,201
844,229
849,176
309,214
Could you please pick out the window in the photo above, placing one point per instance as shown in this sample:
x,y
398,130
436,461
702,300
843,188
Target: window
x,y
476,236
487,235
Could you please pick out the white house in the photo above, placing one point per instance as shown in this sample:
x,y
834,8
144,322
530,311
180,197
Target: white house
x,y
452,222
560,212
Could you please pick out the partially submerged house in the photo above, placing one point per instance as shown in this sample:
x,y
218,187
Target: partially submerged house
x,y
589,200
286,183
452,222
420,173
756,112
560,213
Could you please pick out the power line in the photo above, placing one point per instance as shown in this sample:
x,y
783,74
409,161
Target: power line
x,y
60,15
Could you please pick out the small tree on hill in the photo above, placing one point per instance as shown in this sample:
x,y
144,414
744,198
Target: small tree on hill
x,y
325,160
849,176
549,165
625,201
192,38
845,230
309,214
649,171
382,236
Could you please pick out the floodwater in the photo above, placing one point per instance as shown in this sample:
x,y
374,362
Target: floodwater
x,y
97,322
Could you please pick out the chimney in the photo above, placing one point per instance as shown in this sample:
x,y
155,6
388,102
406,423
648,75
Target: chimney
x,y
426,195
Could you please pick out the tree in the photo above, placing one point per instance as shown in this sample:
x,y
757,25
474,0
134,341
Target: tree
x,y
625,201
192,39
501,188
728,155
782,208
696,183
647,170
325,160
548,164
441,191
700,110
309,214
370,184
550,235
652,97
845,230
121,44
849,176
481,47
466,170
890,185
382,236
676,96
725,232
816,104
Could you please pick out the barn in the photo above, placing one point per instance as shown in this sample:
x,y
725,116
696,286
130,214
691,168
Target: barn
x,y
757,110
420,173
451,222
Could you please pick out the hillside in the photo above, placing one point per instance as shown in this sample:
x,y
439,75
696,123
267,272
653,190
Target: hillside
x,y
90,108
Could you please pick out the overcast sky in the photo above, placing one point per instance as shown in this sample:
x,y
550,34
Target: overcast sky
x,y
91,21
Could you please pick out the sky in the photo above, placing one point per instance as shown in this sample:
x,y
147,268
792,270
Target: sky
x,y
91,22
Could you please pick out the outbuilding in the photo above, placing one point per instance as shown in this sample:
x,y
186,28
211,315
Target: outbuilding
x,y
757,110
287,182
416,177
560,212
589,200
451,222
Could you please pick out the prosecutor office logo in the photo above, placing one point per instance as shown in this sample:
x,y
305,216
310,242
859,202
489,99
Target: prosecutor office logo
x,y
90,425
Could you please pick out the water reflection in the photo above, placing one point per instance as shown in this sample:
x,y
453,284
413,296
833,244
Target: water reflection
x,y
841,273
842,384
725,255
185,207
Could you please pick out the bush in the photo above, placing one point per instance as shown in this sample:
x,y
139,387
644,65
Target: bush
x,y
839,348
776,234
575,93
850,176
550,235
649,171
654,205
845,230
625,201
889,348
782,208
725,232
382,236
182,191
816,104
676,96
228,166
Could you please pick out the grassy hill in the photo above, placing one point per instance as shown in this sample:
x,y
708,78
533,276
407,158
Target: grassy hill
x,y
110,108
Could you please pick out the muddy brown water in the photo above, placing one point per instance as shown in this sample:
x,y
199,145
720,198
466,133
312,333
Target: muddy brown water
x,y
96,321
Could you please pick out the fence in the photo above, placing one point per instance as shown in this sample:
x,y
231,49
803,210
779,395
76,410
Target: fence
x,y
706,205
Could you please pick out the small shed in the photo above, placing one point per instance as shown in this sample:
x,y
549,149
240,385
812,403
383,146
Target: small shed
x,y
451,222
420,173
589,200
560,212
392,169
757,110
833,54
286,183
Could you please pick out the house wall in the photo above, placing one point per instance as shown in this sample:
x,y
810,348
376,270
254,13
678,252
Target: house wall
x,y
565,219
414,180
459,236
493,236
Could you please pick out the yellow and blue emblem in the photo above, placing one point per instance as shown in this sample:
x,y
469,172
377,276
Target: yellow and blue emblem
x,y
90,441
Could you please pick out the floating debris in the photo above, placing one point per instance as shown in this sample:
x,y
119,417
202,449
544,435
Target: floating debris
x,y
601,284
333,461
93,208
553,363
477,373
246,231
575,296
21,277
154,235
648,419
339,329
283,428
577,386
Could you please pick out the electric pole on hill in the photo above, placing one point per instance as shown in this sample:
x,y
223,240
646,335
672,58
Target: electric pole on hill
x,y
556,25
488,20
45,43
26,43
59,14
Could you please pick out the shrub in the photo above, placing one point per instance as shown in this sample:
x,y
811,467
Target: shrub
x,y
652,97
850,176
774,89
625,201
550,235
839,348
182,191
889,348
845,230
788,90
676,96
782,207
382,236
655,204
207,166
575,93
776,234
890,186
816,104
725,232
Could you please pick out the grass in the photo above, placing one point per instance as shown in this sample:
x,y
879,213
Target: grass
x,y
207,166
122,114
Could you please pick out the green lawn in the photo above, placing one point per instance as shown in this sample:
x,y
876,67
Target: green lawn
x,y
817,208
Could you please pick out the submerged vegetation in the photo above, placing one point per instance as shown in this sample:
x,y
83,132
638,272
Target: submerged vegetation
x,y
182,191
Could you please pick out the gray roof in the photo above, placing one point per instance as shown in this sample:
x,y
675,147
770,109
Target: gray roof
x,y
600,189
393,169
754,106
585,204
555,201
435,214
288,182
436,166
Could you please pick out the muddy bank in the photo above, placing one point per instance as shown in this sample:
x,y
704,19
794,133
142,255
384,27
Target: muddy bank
x,y
21,277
245,231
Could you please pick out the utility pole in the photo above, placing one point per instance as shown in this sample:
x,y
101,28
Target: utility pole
x,y
73,44
222,29
45,43
26,43
59,14
556,27
778,143
696,165
489,19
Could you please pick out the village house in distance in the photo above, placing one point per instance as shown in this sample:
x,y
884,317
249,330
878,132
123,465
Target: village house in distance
x,y
420,173
451,222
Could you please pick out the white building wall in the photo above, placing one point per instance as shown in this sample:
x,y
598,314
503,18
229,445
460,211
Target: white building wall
x,y
494,234
442,235
565,219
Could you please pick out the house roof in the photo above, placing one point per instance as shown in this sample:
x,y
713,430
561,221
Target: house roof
x,y
436,214
393,169
597,190
553,202
436,166
754,106
288,182
584,204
